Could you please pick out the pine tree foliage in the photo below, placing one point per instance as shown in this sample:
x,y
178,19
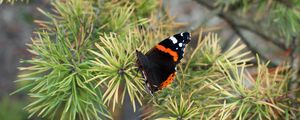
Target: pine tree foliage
x,y
84,65
113,68
60,77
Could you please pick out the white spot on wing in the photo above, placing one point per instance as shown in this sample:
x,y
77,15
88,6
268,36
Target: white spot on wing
x,y
180,44
173,39
181,34
176,48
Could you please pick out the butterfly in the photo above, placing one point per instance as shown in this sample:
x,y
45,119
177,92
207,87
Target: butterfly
x,y
158,65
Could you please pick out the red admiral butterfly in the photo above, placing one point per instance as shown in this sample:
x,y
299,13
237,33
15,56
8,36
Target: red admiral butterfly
x,y
158,65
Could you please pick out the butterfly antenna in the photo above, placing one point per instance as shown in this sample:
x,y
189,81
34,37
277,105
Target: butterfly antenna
x,y
136,74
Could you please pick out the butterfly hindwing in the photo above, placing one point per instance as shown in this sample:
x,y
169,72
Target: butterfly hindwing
x,y
162,66
148,71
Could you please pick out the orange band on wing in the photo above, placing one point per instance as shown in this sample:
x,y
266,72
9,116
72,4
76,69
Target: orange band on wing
x,y
168,81
169,51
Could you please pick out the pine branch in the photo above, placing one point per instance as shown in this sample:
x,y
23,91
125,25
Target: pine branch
x,y
70,76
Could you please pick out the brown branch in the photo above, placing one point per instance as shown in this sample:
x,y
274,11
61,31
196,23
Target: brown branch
x,y
286,3
249,46
295,65
245,24
235,25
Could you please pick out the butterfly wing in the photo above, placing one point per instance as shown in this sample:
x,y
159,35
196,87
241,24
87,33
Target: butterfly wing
x,y
148,69
159,64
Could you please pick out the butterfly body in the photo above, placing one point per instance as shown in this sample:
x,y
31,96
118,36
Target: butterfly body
x,y
158,65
